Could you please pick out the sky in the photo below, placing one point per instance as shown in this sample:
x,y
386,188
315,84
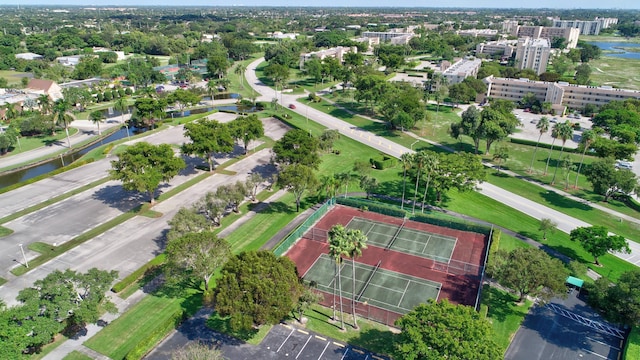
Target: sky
x,y
555,4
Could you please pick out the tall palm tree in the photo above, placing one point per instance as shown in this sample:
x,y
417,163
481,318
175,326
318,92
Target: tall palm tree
x,y
588,137
61,115
338,247
329,184
356,241
407,160
431,163
97,117
418,161
45,103
121,105
554,135
212,87
543,127
565,131
240,70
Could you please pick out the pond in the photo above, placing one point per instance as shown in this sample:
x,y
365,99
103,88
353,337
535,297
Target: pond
x,y
618,49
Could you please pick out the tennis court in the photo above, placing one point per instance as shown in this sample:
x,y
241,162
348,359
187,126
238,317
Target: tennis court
x,y
399,238
375,286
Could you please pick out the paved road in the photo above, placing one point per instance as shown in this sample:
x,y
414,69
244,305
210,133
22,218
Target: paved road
x,y
538,211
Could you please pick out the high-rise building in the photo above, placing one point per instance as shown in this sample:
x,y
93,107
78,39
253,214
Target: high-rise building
x,y
533,54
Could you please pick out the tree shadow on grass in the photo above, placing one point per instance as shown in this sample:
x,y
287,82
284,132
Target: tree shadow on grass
x,y
279,207
500,303
375,340
562,201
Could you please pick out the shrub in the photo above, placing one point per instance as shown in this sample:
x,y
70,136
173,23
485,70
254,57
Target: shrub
x,y
452,223
383,162
372,206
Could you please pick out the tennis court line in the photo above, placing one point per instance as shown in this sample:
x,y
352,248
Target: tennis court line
x,y
404,293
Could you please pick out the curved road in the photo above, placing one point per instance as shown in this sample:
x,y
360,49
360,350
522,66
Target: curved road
x,y
565,223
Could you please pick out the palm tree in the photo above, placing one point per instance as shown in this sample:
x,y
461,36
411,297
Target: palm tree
x,y
61,115
418,161
121,105
338,247
97,117
329,184
588,137
10,111
45,103
212,87
554,135
240,70
344,179
543,127
407,160
431,162
565,131
356,241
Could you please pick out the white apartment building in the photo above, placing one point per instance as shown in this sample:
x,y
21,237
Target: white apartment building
x,y
462,69
501,47
533,54
385,36
570,35
485,33
587,27
560,94
336,52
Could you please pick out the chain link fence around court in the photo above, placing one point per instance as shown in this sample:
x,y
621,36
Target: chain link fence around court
x,y
363,310
304,227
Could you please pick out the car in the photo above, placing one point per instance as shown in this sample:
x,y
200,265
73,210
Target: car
x,y
623,165
292,106
534,121
554,120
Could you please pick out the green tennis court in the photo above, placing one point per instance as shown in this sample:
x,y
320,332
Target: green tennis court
x,y
376,286
398,238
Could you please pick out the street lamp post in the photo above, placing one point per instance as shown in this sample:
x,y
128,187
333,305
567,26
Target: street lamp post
x,y
26,263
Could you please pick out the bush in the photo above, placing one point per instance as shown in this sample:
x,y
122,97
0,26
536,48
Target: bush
x,y
452,223
495,241
378,207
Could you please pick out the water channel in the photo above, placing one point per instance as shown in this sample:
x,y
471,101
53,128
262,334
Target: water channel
x,y
618,49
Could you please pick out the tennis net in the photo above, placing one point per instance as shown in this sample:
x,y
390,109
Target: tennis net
x,y
373,272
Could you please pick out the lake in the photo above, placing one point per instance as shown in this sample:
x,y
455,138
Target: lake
x,y
617,47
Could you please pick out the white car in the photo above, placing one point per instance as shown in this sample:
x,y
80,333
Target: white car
x,y
623,165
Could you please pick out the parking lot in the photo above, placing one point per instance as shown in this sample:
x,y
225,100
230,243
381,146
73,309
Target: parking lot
x,y
528,130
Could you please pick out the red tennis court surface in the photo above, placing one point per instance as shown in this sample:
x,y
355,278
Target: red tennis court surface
x,y
460,278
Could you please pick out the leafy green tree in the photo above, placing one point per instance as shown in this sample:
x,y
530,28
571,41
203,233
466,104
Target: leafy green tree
x,y
620,302
597,241
298,179
186,221
468,169
232,194
500,155
441,330
565,131
308,298
328,138
257,288
470,125
547,226
142,167
97,117
404,108
497,124
529,271
609,181
247,128
543,127
369,184
183,98
217,64
297,147
208,137
278,73
196,256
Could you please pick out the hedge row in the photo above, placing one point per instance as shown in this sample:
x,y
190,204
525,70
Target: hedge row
x,y
162,329
372,206
134,276
542,145
383,162
495,242
452,223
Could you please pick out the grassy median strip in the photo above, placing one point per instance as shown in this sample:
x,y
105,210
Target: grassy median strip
x,y
52,200
5,232
76,355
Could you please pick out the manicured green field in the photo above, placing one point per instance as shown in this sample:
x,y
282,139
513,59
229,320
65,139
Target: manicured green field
x,y
619,72
13,77
504,314
632,348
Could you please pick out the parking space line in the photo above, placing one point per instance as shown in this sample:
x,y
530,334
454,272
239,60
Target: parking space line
x,y
345,353
321,338
338,344
603,343
323,350
302,331
285,340
303,346
596,354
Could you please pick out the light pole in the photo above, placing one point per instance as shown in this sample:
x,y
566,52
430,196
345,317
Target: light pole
x,y
26,263
415,142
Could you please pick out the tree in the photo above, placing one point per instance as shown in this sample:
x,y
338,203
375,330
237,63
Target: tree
x,y
587,138
297,147
212,207
122,106
97,117
253,183
183,98
232,194
554,135
608,181
257,288
217,64
547,226
328,138
247,128
369,184
186,221
565,131
197,351
431,162
208,137
543,127
620,302
462,171
441,330
501,154
407,163
239,70
142,167
278,73
298,179
196,256
338,247
356,241
308,298
497,123
529,271
61,115
470,125
597,241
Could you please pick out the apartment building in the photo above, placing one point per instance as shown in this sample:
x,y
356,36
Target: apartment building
x,y
587,27
560,94
501,47
462,69
569,34
385,36
533,54
336,52
485,33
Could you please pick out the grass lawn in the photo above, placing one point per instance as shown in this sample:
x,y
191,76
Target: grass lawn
x,y
34,142
142,319
4,231
632,348
13,77
253,336
504,314
371,335
619,72
76,355
508,243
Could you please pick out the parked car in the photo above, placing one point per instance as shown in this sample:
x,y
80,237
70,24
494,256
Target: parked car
x,y
554,120
623,165
292,106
